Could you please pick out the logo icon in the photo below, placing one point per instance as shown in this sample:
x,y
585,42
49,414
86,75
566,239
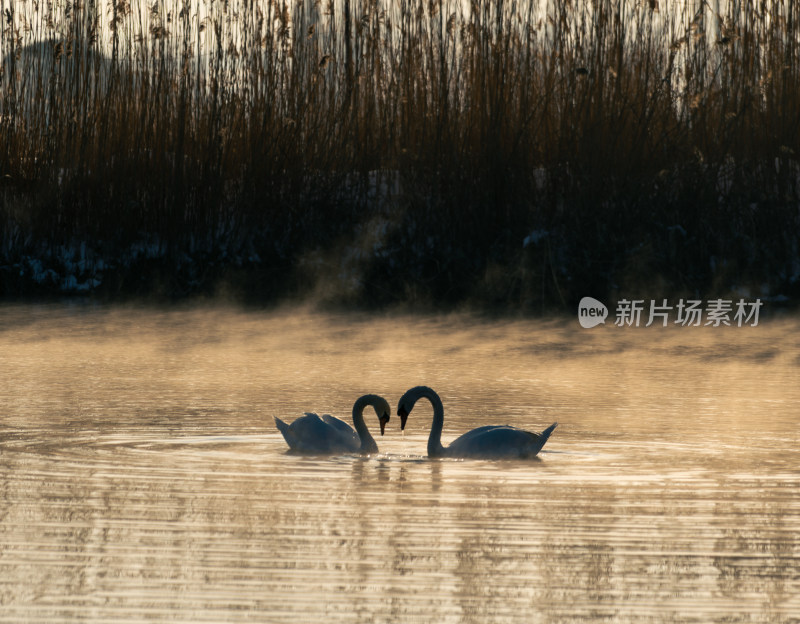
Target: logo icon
x,y
591,312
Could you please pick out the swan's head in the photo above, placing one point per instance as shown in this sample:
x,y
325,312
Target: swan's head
x,y
383,411
402,412
409,399
381,406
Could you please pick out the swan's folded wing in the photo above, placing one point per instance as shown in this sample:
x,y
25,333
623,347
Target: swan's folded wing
x,y
337,424
475,435
497,442
343,429
310,434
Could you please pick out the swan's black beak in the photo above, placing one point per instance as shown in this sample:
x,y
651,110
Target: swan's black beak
x,y
403,414
384,419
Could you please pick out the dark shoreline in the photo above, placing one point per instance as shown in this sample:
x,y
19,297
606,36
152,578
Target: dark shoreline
x,y
541,277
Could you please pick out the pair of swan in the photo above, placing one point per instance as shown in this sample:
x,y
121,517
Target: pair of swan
x,y
311,434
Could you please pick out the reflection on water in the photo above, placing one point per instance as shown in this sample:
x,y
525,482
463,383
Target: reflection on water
x,y
142,479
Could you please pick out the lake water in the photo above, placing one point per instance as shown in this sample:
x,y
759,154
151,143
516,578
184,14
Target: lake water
x,y
142,478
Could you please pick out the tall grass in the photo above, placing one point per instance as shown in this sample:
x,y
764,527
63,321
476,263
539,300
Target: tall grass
x,y
648,145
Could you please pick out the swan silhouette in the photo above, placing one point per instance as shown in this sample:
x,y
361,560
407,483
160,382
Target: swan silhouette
x,y
488,442
312,435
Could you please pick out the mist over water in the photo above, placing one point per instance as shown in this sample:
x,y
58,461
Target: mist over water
x,y
142,478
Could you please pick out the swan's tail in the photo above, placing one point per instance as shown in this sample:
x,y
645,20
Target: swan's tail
x,y
544,435
284,429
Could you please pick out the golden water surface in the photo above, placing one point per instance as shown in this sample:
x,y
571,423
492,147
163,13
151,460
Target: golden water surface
x,y
142,478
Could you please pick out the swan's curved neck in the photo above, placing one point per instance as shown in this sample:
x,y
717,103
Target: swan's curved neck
x,y
368,444
435,448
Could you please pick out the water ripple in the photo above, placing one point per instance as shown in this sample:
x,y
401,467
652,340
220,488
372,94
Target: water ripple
x,y
142,479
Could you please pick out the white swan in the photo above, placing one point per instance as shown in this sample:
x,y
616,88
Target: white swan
x,y
312,435
488,442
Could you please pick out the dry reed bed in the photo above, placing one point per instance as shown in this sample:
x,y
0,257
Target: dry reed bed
x,y
650,147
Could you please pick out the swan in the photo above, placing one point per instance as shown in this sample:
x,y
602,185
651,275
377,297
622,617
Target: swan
x,y
488,442
312,435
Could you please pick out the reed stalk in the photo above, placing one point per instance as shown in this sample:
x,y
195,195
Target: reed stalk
x,y
655,144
